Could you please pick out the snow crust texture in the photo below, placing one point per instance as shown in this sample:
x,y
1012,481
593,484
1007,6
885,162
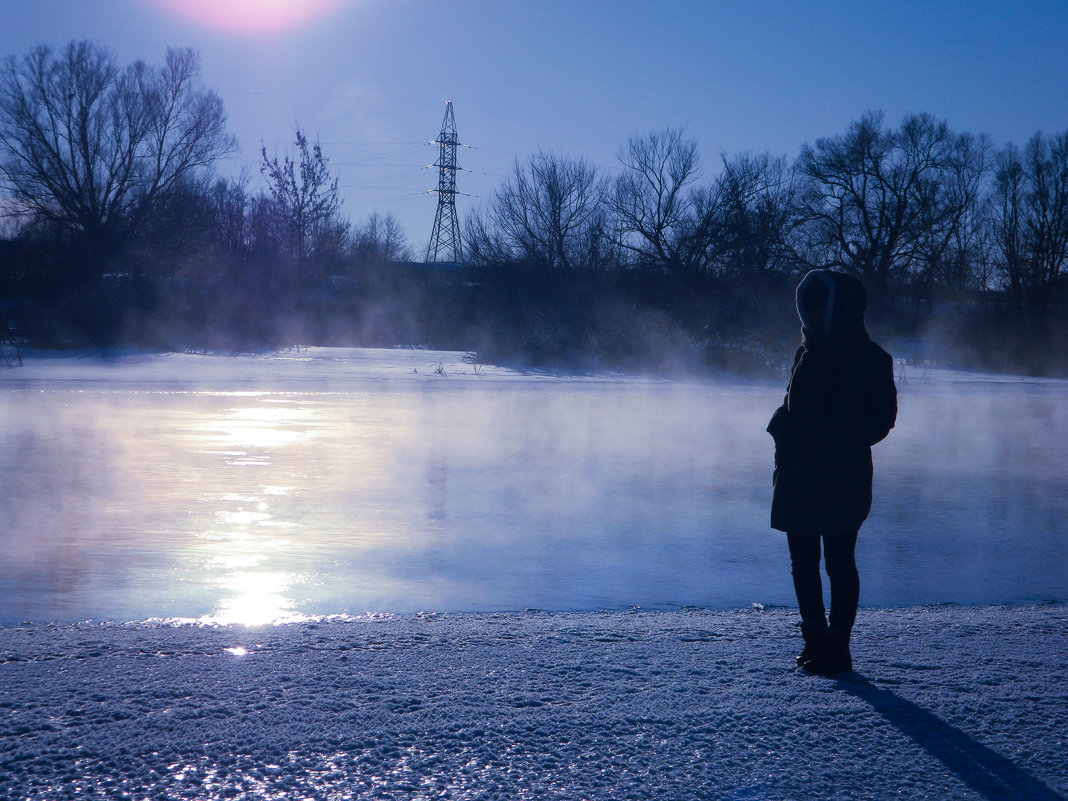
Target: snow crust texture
x,y
946,703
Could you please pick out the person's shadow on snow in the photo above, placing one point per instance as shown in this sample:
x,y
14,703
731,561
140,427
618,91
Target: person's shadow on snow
x,y
985,771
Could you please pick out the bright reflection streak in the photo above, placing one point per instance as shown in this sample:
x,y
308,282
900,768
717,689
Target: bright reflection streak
x,y
255,599
251,595
243,518
260,428
245,549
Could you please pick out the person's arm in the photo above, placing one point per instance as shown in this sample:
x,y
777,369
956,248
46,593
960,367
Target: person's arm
x,y
883,396
879,401
781,425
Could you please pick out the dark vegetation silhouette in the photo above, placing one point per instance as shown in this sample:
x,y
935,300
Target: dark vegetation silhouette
x,y
116,230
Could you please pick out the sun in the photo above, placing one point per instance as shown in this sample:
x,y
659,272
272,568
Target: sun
x,y
251,16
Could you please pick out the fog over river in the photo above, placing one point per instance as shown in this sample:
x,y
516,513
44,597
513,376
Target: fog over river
x,y
251,489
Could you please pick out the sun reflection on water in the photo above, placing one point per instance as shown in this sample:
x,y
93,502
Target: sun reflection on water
x,y
255,598
248,551
247,434
245,552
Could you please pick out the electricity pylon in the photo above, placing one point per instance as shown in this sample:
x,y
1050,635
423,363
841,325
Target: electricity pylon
x,y
445,245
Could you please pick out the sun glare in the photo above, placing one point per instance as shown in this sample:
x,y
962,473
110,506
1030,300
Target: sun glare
x,y
251,16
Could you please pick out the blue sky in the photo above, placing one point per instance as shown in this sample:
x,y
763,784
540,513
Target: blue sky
x,y
578,77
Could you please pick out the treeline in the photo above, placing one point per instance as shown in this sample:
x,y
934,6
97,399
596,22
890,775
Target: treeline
x,y
119,231
920,212
962,245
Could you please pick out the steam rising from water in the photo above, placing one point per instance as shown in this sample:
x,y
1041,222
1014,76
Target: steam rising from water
x,y
256,490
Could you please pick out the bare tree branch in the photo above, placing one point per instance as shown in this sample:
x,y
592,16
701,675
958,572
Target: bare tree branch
x,y
93,147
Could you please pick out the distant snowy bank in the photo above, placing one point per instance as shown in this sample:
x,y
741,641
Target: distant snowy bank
x,y
947,703
284,367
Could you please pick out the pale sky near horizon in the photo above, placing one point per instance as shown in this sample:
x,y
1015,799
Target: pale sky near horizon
x,y
370,78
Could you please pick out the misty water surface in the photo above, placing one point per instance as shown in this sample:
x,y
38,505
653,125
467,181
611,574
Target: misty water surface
x,y
243,489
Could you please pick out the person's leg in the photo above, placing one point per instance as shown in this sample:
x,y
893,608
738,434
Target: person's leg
x,y
839,554
805,567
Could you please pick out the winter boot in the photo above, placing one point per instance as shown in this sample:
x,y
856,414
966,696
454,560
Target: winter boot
x,y
815,634
834,658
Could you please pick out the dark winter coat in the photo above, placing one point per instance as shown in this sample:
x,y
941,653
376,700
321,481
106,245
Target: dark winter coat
x,y
840,401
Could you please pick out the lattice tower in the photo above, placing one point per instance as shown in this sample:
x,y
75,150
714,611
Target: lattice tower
x,y
445,244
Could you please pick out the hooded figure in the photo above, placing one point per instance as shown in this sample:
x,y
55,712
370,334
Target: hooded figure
x,y
840,401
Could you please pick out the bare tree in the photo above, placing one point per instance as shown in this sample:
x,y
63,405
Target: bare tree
x,y
649,200
264,233
305,196
741,223
1047,163
485,245
872,195
1030,217
230,203
93,147
550,211
949,223
382,239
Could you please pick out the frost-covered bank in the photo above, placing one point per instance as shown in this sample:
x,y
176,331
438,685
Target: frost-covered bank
x,y
947,703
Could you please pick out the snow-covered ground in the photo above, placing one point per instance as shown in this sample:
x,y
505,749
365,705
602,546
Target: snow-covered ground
x,y
946,703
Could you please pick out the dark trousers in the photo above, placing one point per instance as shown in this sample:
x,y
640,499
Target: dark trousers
x,y
838,552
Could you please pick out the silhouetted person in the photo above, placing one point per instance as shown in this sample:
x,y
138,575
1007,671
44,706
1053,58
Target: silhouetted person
x,y
840,401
